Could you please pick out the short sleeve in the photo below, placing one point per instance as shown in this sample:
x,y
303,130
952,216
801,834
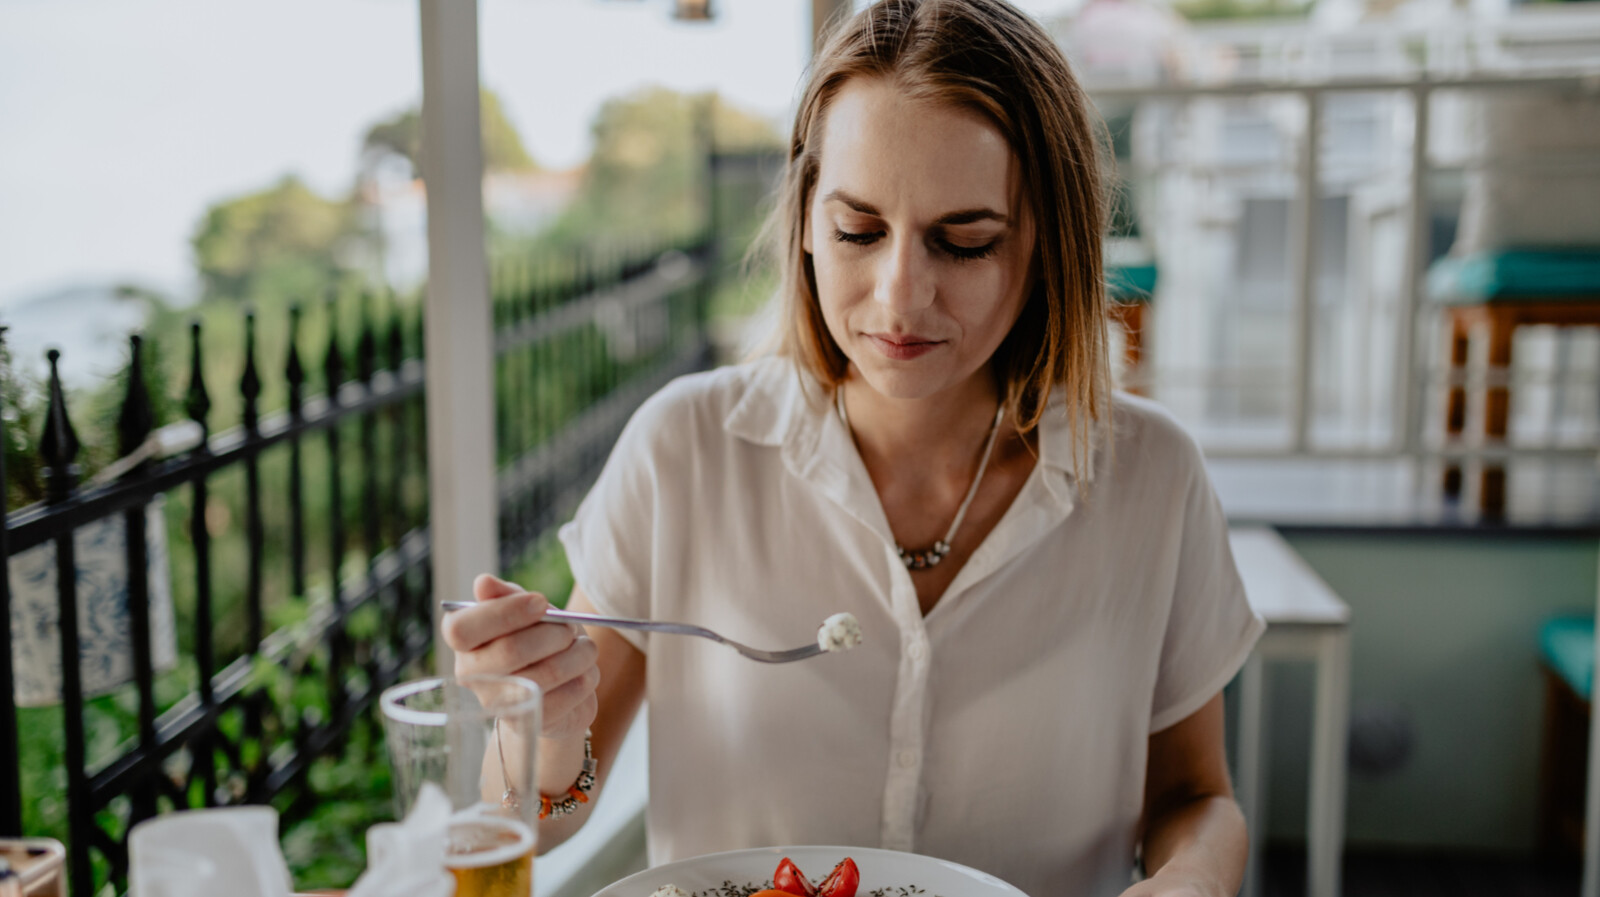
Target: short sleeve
x,y
611,540
1211,628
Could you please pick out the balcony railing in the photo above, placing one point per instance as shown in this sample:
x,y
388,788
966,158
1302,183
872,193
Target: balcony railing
x,y
315,514
1294,208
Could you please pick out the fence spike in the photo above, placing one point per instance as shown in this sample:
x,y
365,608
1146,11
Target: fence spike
x,y
250,381
518,272
138,416
538,282
542,281
333,363
419,328
198,403
504,294
367,342
293,371
397,334
59,444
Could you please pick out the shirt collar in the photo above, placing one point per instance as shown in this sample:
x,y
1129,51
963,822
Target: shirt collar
x,y
775,404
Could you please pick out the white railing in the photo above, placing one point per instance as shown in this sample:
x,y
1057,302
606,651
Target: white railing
x,y
1364,129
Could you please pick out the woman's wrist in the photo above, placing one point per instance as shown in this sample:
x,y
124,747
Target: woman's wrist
x,y
560,763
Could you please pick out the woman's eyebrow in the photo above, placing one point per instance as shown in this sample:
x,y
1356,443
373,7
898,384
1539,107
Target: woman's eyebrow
x,y
970,216
858,205
964,216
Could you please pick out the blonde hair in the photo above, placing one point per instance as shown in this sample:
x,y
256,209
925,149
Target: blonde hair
x,y
987,56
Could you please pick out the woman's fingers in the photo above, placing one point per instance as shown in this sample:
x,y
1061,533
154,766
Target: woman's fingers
x,y
503,614
575,722
517,651
560,667
488,587
568,681
571,709
503,634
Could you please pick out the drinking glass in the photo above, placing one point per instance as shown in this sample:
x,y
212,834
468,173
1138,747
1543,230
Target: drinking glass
x,y
476,737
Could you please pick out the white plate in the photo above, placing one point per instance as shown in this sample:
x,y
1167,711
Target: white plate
x,y
888,869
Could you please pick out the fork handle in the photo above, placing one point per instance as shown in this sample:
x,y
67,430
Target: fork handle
x,y
567,616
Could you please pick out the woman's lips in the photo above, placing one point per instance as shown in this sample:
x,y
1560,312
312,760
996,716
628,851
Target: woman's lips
x,y
903,347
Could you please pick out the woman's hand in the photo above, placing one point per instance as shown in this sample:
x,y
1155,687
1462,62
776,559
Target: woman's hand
x,y
1174,884
505,634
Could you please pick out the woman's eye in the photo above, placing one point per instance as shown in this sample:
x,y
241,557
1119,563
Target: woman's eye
x,y
859,239
968,253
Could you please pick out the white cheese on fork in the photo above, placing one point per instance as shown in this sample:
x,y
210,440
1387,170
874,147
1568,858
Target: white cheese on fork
x,y
839,632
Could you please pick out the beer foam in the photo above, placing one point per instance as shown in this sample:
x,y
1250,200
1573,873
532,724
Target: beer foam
x,y
489,841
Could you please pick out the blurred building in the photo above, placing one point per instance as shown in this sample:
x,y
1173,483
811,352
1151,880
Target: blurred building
x,y
1211,121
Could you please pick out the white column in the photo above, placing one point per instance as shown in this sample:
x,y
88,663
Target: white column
x,y
1308,192
1409,399
459,339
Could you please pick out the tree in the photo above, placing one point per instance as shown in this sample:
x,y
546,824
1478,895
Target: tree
x,y
281,243
645,173
21,403
402,136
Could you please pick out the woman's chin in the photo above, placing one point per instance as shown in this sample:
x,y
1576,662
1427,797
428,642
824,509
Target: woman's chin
x,y
902,384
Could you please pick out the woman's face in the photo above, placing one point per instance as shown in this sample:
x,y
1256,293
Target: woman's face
x,y
918,237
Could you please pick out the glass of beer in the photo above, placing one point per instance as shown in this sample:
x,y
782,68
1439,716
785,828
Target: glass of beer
x,y
476,737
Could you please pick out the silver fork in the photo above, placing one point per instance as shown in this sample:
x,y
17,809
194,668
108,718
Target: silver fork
x,y
565,616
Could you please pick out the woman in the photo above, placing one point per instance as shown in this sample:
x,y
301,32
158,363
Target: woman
x,y
1040,569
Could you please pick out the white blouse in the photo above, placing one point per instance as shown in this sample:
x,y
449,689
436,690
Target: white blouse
x,y
1006,730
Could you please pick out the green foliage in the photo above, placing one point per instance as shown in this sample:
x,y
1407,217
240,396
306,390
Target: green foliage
x,y
544,569
274,246
647,171
737,298
23,409
327,848
401,136
284,244
24,402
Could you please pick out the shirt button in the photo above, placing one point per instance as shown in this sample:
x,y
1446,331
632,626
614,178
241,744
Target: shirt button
x,y
907,759
917,651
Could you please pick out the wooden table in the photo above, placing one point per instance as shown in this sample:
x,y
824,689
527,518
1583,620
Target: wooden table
x,y
1306,621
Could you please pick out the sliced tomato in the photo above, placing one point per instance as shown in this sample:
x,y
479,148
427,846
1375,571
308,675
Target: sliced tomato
x,y
842,881
791,880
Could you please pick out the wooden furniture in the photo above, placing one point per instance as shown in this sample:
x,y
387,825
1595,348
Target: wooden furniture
x,y
1306,621
1496,293
32,867
1128,290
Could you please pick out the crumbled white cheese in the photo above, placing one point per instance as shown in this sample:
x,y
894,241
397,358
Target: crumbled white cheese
x,y
669,891
839,632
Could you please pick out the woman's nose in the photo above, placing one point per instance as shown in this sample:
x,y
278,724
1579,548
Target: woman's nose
x,y
904,278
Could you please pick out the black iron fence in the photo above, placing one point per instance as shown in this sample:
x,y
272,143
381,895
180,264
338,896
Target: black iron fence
x,y
571,371
298,552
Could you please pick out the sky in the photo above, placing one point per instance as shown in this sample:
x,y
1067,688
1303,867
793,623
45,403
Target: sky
x,y
121,120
